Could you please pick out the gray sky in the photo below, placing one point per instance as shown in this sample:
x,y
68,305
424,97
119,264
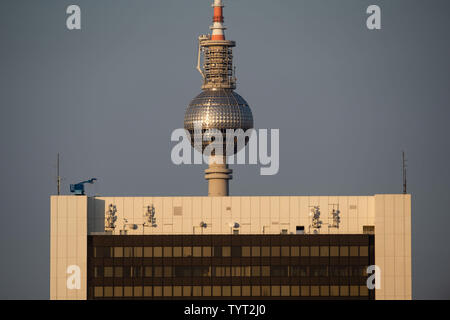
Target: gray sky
x,y
346,100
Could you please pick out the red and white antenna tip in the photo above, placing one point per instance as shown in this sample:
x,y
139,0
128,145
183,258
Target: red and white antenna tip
x,y
217,27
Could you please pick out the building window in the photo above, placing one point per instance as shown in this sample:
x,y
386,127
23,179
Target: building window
x,y
226,291
126,272
275,251
196,291
324,251
299,271
334,291
108,292
197,251
187,251
148,252
118,272
265,291
354,291
167,291
295,251
354,251
98,272
138,252
128,252
344,291
206,291
226,251
256,291
246,271
167,252
177,251
108,272
216,291
324,291
304,291
279,271
275,291
246,252
314,251
236,291
364,251
236,251
187,291
180,271
177,291
256,271
295,291
344,251
265,251
98,292
157,271
138,291
315,291
157,291
285,251
157,252
207,251
118,252
102,252
167,272
256,251
128,291
218,272
217,251
344,271
304,251
147,291
136,272
334,251
363,291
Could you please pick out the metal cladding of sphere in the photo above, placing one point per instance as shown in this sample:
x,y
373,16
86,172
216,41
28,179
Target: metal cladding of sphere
x,y
219,109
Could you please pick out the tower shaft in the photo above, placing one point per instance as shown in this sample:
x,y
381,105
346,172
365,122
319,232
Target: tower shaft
x,y
218,175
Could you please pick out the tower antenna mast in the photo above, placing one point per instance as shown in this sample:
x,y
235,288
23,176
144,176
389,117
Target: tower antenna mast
x,y
58,177
404,172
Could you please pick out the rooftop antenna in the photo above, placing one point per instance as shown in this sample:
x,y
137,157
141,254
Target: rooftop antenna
x,y
404,171
58,177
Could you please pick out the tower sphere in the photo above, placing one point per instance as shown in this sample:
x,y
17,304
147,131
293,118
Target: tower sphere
x,y
219,109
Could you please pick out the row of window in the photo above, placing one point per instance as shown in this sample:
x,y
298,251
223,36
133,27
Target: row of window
x,y
228,291
232,251
228,271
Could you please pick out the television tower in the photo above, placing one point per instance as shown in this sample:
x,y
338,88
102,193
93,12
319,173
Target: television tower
x,y
217,108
